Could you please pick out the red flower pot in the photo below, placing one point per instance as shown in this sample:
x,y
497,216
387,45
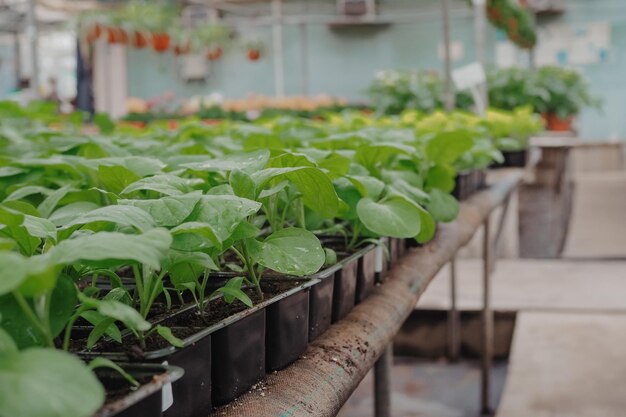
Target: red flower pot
x,y
182,49
254,54
139,40
94,33
558,124
214,54
160,41
116,35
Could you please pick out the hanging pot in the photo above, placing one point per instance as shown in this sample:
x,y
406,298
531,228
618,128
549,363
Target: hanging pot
x,y
116,35
160,41
214,54
139,40
254,54
182,49
94,33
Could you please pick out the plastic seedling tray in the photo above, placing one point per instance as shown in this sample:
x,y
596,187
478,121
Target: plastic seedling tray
x,y
146,401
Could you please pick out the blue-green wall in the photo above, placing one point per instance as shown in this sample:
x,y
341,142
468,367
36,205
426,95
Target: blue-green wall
x,y
342,63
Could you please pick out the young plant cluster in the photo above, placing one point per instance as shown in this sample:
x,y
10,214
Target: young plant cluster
x,y
103,231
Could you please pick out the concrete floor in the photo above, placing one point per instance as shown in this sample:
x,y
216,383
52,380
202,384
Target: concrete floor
x,y
568,357
598,227
567,365
428,389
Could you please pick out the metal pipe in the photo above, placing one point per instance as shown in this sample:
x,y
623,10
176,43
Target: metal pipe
x,y
33,39
454,321
382,383
480,29
447,64
277,38
487,324
304,59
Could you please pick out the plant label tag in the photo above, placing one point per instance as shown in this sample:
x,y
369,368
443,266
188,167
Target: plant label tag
x,y
167,397
380,254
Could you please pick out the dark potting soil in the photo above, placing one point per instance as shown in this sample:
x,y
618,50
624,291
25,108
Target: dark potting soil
x,y
186,324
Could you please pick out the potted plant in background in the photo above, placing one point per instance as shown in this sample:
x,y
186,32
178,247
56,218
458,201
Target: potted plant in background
x,y
566,94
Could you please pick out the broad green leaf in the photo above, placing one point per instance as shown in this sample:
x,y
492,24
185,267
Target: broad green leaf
x,y
447,147
41,382
27,191
126,314
166,333
166,184
116,178
167,211
442,177
248,162
41,276
368,186
316,188
148,248
48,205
393,217
66,214
7,345
223,213
13,271
428,227
99,330
204,234
444,207
187,266
38,227
120,214
242,184
10,171
96,318
62,304
291,251
376,156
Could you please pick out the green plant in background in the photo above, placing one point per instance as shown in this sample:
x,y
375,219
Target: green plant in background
x,y
567,92
548,90
394,91
511,131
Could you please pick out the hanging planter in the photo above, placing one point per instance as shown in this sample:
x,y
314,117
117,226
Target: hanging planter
x,y
139,40
182,49
116,35
254,55
160,41
93,34
514,20
214,54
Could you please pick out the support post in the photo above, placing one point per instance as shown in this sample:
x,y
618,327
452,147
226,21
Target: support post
x,y
277,38
487,325
454,319
33,40
382,383
447,64
480,29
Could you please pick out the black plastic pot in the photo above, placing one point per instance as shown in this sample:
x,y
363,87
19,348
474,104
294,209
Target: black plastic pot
x,y
344,292
333,297
467,183
321,306
513,159
192,392
147,400
287,330
238,357
366,274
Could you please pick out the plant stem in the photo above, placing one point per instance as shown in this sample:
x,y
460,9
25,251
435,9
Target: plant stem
x,y
355,236
250,268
